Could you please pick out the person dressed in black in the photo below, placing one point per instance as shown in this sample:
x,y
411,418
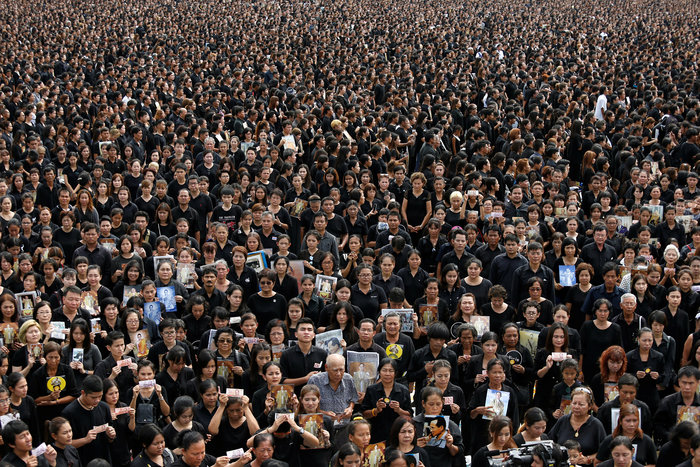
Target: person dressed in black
x,y
154,452
16,435
62,435
421,366
85,414
267,304
375,407
232,425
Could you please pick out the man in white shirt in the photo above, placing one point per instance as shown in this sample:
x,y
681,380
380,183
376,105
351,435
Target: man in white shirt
x,y
601,104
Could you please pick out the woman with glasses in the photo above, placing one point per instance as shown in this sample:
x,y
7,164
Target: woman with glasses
x,y
234,361
267,304
535,286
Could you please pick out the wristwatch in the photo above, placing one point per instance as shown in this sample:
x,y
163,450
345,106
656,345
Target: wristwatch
x,y
302,431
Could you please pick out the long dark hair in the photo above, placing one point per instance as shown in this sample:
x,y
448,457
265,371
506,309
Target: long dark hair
x,y
253,375
399,423
81,324
349,333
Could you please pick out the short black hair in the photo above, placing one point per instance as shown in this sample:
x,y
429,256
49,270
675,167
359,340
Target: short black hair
x,y
92,384
12,430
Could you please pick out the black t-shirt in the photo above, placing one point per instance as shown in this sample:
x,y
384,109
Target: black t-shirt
x,y
230,217
229,437
82,421
267,308
170,434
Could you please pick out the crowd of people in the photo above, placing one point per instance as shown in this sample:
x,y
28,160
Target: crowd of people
x,y
365,233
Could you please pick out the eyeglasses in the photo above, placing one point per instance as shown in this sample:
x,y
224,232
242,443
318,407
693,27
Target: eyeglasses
x,y
265,282
168,333
225,341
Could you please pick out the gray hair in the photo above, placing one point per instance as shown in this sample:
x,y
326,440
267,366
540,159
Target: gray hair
x,y
628,295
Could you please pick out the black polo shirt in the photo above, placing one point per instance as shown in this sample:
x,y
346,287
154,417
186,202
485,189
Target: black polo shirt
x,y
218,298
295,364
386,286
99,256
370,302
401,352
225,252
592,255
486,255
461,263
270,241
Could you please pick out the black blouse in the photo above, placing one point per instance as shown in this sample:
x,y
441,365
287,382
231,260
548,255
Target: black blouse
x,y
590,435
381,424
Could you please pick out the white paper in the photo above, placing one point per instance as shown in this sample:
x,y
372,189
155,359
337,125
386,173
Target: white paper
x,y
149,383
39,450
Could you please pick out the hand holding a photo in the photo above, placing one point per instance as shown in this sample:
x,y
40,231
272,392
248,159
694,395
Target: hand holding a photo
x,y
484,410
77,366
269,403
449,440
